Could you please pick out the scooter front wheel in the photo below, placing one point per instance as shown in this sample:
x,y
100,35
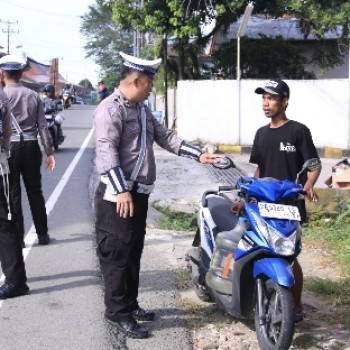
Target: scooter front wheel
x,y
54,139
274,316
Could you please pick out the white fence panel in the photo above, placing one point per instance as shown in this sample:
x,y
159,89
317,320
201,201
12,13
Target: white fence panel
x,y
209,110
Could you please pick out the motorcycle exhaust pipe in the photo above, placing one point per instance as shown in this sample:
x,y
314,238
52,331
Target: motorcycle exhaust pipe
x,y
192,257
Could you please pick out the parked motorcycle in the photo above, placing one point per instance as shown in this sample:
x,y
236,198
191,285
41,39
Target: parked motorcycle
x,y
243,263
54,119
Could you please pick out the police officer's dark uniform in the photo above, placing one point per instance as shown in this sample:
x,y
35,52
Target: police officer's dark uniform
x,y
11,257
125,132
103,93
27,109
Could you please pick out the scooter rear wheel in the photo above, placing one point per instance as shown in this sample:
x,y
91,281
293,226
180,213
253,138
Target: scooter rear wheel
x,y
200,290
277,330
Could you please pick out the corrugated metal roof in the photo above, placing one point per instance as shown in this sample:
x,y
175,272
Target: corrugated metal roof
x,y
39,72
286,28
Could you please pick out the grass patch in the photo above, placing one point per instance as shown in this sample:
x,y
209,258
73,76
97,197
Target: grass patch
x,y
303,341
336,291
339,317
175,221
198,315
335,238
183,279
332,233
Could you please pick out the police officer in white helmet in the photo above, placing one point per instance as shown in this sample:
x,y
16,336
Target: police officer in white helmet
x,y
28,111
125,132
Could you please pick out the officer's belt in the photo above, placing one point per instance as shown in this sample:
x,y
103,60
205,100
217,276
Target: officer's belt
x,y
22,137
141,188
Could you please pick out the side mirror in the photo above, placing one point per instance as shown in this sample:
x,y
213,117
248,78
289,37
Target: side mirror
x,y
224,163
310,165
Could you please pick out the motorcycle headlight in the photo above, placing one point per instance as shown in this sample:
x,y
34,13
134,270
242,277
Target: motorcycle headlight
x,y
280,244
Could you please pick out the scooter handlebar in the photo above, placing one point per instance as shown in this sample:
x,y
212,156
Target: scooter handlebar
x,y
224,163
204,197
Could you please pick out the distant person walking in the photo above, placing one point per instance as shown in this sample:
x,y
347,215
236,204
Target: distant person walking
x,y
103,91
26,156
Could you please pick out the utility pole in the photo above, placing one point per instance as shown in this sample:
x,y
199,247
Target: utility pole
x,y
54,74
241,31
137,35
9,31
165,48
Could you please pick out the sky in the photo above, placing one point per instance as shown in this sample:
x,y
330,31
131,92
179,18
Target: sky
x,y
46,30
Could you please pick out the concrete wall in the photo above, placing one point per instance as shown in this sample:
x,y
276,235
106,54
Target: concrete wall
x,y
210,110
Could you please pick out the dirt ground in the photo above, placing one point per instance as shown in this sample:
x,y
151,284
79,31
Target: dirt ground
x,y
320,328
183,182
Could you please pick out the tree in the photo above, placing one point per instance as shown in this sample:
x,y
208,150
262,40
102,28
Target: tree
x,y
109,26
105,40
317,16
183,20
87,84
261,58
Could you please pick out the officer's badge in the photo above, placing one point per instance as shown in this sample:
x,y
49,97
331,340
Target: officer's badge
x,y
111,110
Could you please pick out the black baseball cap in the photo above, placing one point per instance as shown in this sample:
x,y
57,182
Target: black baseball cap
x,y
274,87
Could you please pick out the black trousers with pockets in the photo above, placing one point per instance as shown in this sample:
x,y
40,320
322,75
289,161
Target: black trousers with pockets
x,y
11,257
26,157
119,248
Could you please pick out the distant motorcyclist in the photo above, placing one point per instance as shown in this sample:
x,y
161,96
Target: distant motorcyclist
x,y
69,90
68,87
52,104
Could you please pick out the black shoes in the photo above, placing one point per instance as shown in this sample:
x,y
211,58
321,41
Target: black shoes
x,y
44,239
130,327
143,315
8,290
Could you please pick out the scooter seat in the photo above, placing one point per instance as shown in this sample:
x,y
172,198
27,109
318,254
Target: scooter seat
x,y
220,210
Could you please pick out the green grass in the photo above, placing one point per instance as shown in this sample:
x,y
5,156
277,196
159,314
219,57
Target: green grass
x,y
332,234
175,221
183,279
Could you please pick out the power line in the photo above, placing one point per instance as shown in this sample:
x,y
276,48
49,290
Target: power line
x,y
9,31
40,11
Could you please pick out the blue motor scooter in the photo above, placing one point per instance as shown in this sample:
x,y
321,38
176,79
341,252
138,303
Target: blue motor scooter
x,y
244,263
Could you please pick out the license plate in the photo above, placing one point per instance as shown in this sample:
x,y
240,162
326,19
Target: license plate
x,y
279,211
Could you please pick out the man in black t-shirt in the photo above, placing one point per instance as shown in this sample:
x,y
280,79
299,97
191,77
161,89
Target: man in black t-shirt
x,y
279,150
